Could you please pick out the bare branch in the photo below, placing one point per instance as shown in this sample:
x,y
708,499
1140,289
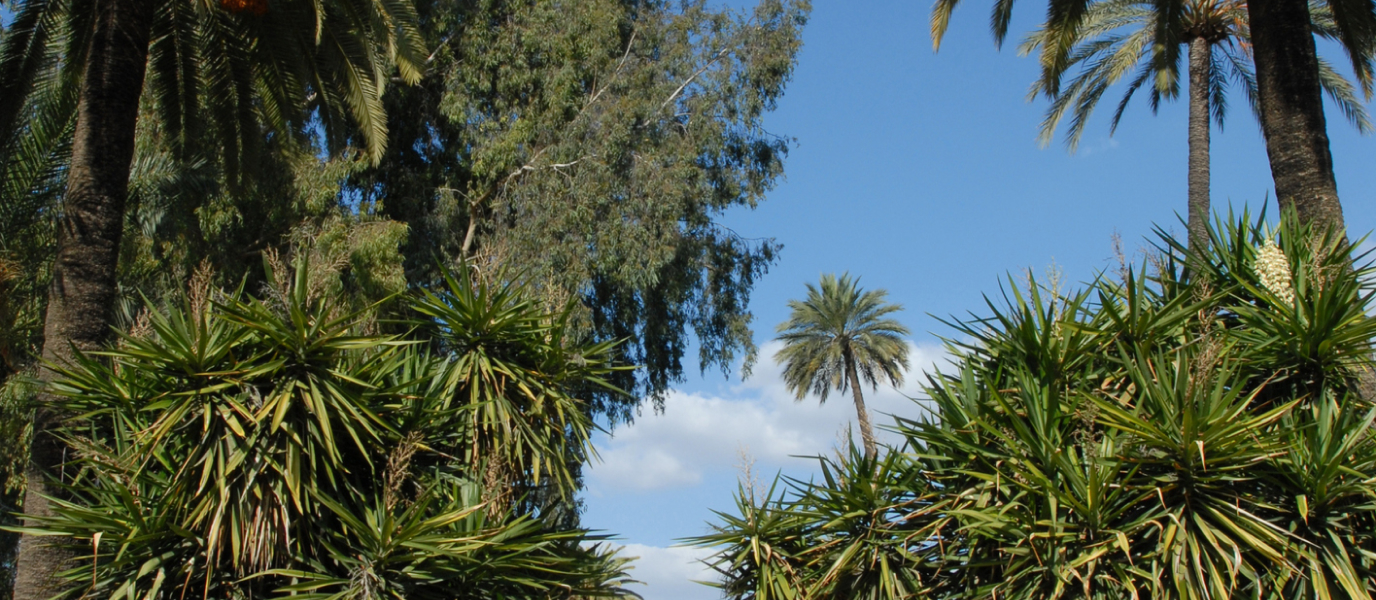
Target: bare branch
x,y
615,73
694,77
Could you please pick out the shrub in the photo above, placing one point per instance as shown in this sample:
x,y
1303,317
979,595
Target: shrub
x,y
1188,433
233,447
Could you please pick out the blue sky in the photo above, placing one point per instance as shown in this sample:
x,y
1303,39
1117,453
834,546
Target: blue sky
x,y
920,173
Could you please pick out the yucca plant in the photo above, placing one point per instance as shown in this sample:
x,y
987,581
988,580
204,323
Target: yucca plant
x,y
1324,498
857,533
762,545
1201,444
519,377
1199,434
441,546
236,447
1155,469
862,547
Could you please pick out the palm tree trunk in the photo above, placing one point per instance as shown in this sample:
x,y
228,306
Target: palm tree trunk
x,y
866,431
83,291
1292,118
1201,64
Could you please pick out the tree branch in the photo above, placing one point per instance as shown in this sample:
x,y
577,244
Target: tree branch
x,y
693,77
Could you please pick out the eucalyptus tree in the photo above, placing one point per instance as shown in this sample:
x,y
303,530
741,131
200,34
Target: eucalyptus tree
x,y
1118,39
596,144
1289,95
240,62
838,336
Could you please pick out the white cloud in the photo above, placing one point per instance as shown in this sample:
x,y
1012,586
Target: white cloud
x,y
671,573
699,434
653,469
1106,144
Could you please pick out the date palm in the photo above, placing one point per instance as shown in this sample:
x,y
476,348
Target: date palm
x,y
1118,39
838,336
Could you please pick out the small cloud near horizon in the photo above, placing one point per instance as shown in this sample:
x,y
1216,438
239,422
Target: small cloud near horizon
x,y
701,434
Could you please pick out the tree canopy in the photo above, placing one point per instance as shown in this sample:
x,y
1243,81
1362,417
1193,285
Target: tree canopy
x,y
596,145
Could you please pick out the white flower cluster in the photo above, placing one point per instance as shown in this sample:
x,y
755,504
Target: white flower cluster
x,y
1273,269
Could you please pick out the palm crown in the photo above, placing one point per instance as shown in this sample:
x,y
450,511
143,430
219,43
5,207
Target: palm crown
x,y
225,71
1124,38
838,336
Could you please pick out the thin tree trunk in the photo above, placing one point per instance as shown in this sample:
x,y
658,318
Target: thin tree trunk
x,y
866,431
1292,118
83,291
1201,65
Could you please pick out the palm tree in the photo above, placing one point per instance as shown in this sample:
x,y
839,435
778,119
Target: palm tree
x,y
838,336
1118,37
240,63
221,72
1288,74
1290,103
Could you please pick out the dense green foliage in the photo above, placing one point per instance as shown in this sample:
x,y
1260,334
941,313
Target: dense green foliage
x,y
232,114
239,447
595,144
591,145
1159,436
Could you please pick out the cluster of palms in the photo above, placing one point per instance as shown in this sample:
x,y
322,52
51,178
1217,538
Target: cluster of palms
x,y
1132,40
1166,433
231,447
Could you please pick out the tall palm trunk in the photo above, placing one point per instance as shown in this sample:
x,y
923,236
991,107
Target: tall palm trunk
x,y
1292,117
1201,65
866,432
82,295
